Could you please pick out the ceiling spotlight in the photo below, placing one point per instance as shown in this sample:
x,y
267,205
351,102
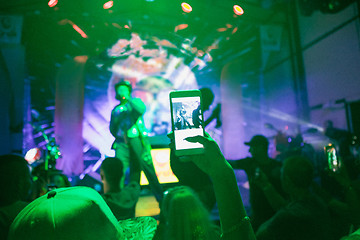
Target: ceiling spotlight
x,y
238,10
52,3
32,155
79,30
186,7
181,27
221,29
108,5
234,30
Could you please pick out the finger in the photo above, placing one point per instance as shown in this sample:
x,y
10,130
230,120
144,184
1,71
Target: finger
x,y
170,135
198,139
172,144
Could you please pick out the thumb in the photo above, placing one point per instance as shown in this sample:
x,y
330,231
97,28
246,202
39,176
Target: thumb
x,y
198,138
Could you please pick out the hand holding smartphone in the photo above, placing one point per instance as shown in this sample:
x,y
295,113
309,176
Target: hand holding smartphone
x,y
332,158
187,121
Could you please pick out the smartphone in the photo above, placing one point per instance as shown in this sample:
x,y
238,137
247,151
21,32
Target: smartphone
x,y
332,158
187,120
257,172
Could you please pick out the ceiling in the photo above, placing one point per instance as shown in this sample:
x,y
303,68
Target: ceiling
x,y
50,39
212,27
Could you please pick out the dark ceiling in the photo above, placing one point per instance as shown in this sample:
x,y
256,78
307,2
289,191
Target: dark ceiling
x,y
50,39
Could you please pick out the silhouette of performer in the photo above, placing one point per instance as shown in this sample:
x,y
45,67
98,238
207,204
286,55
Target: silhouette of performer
x,y
131,143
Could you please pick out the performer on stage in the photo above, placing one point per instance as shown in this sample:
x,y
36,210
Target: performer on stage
x,y
131,144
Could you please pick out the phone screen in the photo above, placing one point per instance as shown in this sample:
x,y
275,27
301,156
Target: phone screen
x,y
187,121
333,161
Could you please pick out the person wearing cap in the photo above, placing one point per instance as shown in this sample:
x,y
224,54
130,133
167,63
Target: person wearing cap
x,y
304,215
259,166
131,143
76,213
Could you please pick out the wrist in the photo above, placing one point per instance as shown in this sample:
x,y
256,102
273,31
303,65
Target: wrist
x,y
243,221
221,171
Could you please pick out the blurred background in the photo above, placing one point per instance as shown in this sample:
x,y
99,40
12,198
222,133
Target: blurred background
x,y
281,68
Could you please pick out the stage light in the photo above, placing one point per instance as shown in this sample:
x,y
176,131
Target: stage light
x,y
221,29
108,5
52,3
186,7
33,155
234,30
81,32
181,27
238,10
117,25
200,53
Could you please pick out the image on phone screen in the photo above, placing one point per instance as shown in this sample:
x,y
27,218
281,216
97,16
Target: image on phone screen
x,y
187,121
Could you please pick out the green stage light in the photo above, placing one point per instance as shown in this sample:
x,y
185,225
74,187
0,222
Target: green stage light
x,y
52,3
186,7
238,10
108,5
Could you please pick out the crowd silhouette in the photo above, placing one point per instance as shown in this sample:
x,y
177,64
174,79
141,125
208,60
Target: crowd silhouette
x,y
288,199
